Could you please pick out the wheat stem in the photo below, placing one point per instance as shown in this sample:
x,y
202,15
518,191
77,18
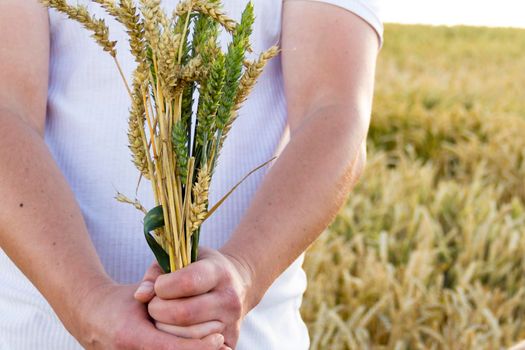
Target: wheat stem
x,y
123,77
148,155
151,130
186,204
168,179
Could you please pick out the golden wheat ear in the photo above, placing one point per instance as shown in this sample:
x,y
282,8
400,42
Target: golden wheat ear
x,y
79,13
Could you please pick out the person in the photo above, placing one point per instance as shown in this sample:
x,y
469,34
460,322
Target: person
x,y
74,264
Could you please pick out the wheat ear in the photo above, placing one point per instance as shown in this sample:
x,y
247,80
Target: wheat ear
x,y
140,153
123,199
200,199
128,15
208,8
80,14
247,82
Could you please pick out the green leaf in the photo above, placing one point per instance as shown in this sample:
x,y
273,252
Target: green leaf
x,y
154,219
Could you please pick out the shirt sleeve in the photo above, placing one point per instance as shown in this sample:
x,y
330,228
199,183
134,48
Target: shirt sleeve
x,y
368,10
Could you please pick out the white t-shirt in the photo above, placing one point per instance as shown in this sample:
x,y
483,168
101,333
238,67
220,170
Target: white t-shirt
x,y
86,132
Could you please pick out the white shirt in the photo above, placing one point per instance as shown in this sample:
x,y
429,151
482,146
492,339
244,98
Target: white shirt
x,y
86,132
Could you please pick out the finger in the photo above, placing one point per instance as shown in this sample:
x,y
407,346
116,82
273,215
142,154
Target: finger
x,y
146,290
231,335
215,340
195,279
148,337
153,272
190,311
197,331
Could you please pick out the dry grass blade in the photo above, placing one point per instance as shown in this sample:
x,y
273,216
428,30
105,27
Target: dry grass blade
x,y
218,204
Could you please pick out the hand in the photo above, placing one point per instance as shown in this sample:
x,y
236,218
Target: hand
x,y
111,319
520,346
210,295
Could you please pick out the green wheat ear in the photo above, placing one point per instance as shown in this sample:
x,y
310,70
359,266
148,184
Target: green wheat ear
x,y
211,91
179,139
234,63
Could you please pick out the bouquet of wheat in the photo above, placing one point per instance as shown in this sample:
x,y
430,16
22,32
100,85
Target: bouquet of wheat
x,y
172,148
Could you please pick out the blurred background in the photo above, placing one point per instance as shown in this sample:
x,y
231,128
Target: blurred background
x,y
501,13
429,251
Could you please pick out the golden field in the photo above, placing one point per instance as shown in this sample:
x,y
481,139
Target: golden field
x,y
429,251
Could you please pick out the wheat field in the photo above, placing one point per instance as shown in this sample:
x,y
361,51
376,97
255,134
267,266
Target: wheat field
x,y
428,252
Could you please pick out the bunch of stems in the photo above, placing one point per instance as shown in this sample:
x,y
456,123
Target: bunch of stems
x,y
175,150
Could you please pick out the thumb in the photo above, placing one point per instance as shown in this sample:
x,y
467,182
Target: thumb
x,y
145,291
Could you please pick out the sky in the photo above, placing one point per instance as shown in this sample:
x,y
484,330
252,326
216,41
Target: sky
x,y
500,13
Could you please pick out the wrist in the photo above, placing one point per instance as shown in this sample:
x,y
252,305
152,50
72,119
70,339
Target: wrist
x,y
253,288
81,306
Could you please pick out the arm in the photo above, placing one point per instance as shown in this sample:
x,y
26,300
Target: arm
x,y
328,61
41,226
53,246
328,57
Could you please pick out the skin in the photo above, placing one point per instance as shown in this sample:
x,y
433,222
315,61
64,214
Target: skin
x,y
329,104
63,263
520,346
329,98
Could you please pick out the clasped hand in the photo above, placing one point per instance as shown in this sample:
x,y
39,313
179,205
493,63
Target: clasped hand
x,y
207,297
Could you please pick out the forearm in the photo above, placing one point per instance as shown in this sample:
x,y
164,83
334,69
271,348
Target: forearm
x,y
41,226
300,195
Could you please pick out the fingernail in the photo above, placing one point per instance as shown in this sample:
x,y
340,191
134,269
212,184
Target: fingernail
x,y
145,287
218,339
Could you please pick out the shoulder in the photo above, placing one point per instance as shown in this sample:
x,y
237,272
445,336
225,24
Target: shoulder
x,y
368,10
